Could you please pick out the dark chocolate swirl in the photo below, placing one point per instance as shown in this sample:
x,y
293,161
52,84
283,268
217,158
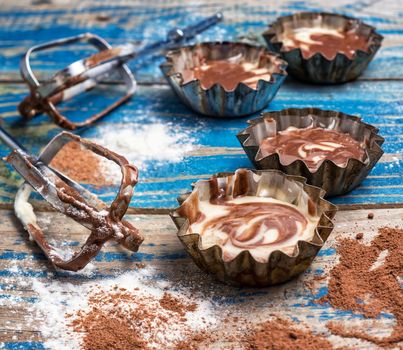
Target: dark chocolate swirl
x,y
247,224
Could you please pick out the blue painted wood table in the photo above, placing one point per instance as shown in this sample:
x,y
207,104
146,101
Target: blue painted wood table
x,y
376,96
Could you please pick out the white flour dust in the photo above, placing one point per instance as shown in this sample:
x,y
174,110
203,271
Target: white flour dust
x,y
147,144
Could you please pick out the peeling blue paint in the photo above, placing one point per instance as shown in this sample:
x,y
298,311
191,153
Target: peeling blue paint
x,y
25,345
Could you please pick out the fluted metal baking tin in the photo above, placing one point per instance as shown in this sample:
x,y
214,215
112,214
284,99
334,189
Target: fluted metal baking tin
x,y
244,269
333,179
216,101
318,69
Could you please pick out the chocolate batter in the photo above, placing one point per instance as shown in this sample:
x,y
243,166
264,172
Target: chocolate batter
x,y
258,224
257,218
326,41
313,146
226,73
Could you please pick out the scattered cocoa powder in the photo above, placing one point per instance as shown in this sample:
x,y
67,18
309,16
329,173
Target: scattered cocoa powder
x,y
80,164
103,17
140,265
340,330
319,277
129,320
194,341
359,283
171,303
103,332
310,284
283,334
359,235
227,337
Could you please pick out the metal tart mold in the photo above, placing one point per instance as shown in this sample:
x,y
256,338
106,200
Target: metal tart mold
x,y
217,101
334,179
318,68
244,269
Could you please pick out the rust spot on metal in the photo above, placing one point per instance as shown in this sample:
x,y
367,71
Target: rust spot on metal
x,y
102,56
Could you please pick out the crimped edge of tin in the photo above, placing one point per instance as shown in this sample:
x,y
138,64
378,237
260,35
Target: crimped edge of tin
x,y
244,269
279,64
373,148
271,36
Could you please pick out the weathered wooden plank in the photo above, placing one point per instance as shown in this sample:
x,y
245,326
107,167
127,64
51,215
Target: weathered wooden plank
x,y
22,27
216,147
377,98
294,299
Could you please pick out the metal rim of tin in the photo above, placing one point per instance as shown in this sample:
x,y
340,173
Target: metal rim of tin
x,y
335,180
317,68
216,101
244,269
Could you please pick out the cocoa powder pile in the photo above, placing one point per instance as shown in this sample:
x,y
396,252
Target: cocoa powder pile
x,y
127,320
363,283
283,334
101,331
80,164
169,302
239,333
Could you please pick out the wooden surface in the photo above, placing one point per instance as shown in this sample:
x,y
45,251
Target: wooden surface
x,y
163,251
376,96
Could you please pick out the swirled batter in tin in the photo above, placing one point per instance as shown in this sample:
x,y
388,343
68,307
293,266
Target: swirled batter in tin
x,y
313,146
327,41
257,224
227,73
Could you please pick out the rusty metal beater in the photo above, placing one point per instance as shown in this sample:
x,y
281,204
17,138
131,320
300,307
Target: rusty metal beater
x,y
71,199
83,75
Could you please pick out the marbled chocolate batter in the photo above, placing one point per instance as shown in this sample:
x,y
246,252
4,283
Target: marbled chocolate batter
x,y
226,73
326,41
313,146
257,224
